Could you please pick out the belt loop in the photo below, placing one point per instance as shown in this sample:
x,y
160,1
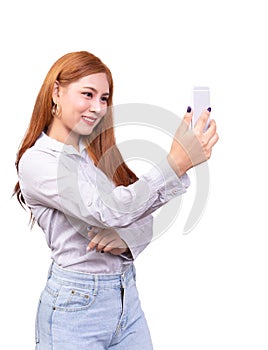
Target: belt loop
x,y
95,292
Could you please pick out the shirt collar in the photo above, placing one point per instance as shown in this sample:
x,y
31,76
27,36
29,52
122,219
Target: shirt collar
x,y
45,141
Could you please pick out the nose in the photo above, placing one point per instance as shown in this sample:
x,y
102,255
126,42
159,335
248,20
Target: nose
x,y
95,105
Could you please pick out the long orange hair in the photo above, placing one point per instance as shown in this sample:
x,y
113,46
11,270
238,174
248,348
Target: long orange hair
x,y
101,144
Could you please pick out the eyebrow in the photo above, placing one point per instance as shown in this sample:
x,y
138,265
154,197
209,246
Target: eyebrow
x,y
95,90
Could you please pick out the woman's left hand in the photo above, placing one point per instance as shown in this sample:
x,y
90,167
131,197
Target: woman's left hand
x,y
107,241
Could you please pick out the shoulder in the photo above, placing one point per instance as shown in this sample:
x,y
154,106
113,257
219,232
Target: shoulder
x,y
37,170
37,156
36,162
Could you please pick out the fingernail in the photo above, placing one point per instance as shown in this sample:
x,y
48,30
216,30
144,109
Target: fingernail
x,y
189,109
88,248
209,109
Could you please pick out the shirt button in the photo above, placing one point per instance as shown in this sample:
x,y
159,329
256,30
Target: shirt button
x,y
175,191
89,204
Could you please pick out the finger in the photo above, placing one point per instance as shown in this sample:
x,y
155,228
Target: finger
x,y
105,240
214,139
186,121
91,245
201,122
110,247
211,128
96,238
116,251
106,245
210,132
117,243
120,248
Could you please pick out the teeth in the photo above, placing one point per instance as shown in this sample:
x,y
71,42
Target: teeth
x,y
89,119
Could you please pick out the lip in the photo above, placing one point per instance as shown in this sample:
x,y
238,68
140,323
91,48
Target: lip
x,y
88,119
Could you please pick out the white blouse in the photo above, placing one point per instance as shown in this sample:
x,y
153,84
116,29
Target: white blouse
x,y
67,193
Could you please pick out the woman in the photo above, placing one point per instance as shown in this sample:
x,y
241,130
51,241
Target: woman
x,y
87,201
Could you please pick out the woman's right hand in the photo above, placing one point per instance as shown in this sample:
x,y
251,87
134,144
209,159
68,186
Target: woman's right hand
x,y
191,147
106,241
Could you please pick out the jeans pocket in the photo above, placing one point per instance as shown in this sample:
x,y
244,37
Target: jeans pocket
x,y
73,299
37,338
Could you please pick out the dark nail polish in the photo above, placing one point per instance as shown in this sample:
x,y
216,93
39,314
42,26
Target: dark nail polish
x,y
209,109
189,109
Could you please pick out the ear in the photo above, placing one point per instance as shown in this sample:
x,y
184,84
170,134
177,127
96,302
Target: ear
x,y
55,93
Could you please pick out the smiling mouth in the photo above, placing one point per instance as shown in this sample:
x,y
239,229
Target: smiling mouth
x,y
89,120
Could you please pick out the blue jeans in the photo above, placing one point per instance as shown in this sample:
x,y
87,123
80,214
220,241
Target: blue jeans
x,y
80,311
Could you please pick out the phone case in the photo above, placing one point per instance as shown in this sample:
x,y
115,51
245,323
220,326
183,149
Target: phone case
x,y
201,101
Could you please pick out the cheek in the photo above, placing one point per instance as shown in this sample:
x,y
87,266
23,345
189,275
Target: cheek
x,y
81,105
72,105
103,111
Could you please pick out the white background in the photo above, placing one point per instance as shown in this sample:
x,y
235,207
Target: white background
x,y
206,290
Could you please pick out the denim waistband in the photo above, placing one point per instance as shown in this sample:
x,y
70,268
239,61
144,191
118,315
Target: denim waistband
x,y
96,281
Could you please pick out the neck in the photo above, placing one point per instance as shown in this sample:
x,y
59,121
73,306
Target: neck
x,y
68,138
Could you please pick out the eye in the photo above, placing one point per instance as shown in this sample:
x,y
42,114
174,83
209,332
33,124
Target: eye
x,y
87,94
104,99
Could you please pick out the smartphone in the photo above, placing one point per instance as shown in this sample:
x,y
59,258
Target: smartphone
x,y
201,101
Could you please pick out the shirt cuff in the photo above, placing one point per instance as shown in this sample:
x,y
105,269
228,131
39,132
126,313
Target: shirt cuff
x,y
137,236
165,181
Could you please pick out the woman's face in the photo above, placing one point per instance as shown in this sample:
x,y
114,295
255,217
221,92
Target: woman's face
x,y
82,103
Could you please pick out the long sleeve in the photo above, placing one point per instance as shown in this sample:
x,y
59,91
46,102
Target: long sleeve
x,y
137,235
66,193
59,182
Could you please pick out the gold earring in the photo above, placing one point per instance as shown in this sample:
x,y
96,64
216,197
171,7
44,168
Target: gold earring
x,y
55,111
